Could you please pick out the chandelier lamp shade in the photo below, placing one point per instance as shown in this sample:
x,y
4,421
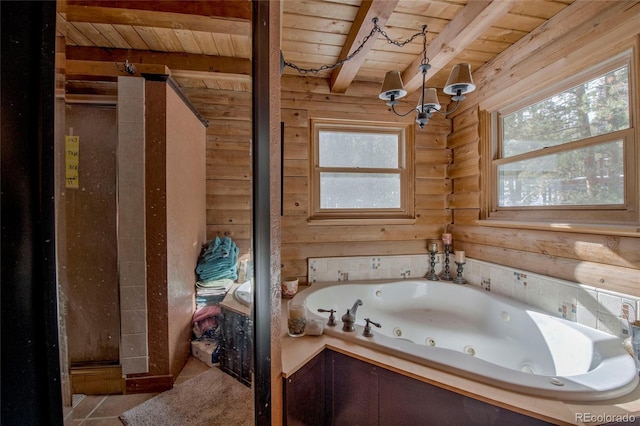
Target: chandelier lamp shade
x,y
458,84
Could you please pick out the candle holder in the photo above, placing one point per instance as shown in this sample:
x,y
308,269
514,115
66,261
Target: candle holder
x,y
459,279
446,275
432,276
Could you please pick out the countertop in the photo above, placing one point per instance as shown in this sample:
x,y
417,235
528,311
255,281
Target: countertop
x,y
297,351
230,302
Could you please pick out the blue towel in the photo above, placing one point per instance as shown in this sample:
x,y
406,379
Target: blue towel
x,y
218,260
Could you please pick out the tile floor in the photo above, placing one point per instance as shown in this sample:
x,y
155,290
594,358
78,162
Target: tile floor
x,y
103,410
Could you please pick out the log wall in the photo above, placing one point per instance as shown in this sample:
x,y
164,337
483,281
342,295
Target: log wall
x,y
608,259
449,178
448,160
228,152
304,98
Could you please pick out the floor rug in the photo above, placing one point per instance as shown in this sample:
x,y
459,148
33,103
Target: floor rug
x,y
211,398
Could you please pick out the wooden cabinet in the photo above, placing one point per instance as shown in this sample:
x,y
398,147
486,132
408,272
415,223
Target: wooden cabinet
x,y
352,390
236,345
335,389
305,394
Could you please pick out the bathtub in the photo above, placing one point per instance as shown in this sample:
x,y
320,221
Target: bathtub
x,y
482,336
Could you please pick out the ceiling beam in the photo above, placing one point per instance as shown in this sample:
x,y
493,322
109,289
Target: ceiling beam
x,y
108,71
238,9
468,24
156,18
175,61
342,76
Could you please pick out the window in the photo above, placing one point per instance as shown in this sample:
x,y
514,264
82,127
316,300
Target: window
x,y
570,155
362,171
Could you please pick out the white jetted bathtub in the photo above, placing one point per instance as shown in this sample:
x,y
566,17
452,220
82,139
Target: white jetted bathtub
x,y
482,336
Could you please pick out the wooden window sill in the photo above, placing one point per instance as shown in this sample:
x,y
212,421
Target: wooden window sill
x,y
361,221
581,228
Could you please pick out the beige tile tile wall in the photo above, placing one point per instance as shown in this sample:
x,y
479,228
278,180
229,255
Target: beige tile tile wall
x,y
134,351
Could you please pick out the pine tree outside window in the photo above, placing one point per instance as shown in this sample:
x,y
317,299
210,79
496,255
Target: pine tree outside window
x,y
570,155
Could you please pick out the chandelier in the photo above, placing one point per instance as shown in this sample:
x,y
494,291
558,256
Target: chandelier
x,y
458,84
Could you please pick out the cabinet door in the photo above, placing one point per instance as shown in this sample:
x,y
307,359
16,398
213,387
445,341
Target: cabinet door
x,y
410,402
405,401
353,391
304,396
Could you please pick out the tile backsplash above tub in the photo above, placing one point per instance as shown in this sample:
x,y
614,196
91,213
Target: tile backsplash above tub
x,y
369,268
604,310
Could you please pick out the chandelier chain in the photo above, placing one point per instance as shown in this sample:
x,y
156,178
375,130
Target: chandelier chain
x,y
376,29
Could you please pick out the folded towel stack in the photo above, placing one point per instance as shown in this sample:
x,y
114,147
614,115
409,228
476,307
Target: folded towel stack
x,y
218,260
212,292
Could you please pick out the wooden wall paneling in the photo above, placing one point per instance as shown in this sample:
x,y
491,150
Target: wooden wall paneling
x,y
229,201
331,101
606,249
431,171
295,268
236,232
429,155
304,98
231,187
227,144
228,158
461,200
466,216
608,277
294,167
294,147
470,167
433,186
229,216
226,127
211,99
467,151
467,114
603,261
467,184
221,158
303,233
297,184
463,136
431,139
222,110
430,201
295,117
433,216
465,168
295,204
222,172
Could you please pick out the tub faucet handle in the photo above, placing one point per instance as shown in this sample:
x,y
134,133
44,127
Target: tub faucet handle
x,y
367,327
332,319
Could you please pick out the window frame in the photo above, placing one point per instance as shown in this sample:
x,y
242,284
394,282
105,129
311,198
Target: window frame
x,y
403,214
627,213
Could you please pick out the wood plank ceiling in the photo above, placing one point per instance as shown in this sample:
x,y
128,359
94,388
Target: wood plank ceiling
x,y
207,44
